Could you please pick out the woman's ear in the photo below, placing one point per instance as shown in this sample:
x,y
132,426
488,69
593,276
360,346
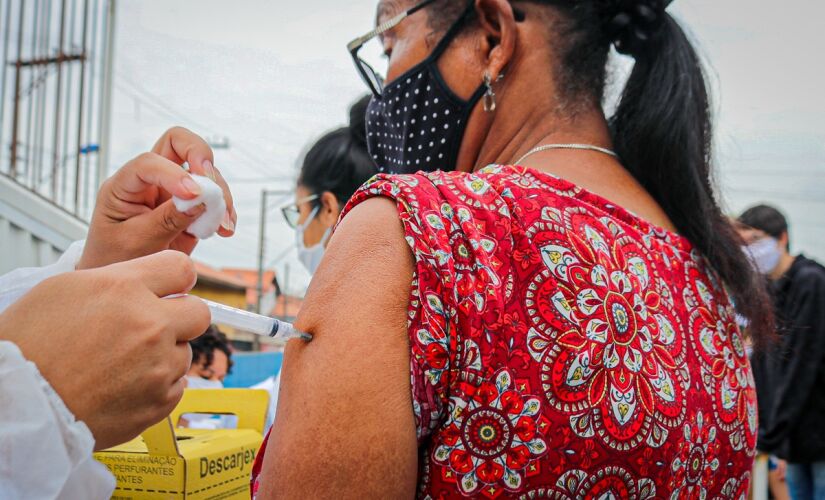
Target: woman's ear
x,y
330,209
498,23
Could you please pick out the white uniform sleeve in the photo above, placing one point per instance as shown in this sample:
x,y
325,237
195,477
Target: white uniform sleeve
x,y
17,283
45,453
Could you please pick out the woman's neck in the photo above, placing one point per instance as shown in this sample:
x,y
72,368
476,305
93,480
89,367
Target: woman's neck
x,y
524,120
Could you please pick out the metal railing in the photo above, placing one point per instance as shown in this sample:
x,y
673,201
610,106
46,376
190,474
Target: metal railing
x,y
54,96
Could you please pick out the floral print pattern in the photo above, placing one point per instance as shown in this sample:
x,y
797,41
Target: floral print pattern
x,y
697,460
492,435
613,362
725,371
612,482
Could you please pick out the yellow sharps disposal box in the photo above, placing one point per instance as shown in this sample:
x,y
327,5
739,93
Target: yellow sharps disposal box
x,y
169,463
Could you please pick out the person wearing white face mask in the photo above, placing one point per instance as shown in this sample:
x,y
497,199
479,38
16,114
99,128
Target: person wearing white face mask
x,y
765,253
764,231
211,360
311,255
211,363
333,168
790,372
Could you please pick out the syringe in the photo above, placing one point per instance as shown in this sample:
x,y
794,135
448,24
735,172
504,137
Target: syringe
x,y
254,323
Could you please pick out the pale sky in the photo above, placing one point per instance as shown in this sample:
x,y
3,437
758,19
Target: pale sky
x,y
274,76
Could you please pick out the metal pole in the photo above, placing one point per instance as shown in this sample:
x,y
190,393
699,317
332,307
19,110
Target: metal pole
x,y
261,242
89,121
286,289
42,95
261,247
256,343
36,77
64,153
6,44
58,90
106,101
16,111
77,179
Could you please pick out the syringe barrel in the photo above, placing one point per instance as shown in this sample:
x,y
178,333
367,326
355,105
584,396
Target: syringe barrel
x,y
254,323
242,320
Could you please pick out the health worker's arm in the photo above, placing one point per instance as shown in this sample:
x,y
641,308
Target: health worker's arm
x,y
17,283
44,451
84,367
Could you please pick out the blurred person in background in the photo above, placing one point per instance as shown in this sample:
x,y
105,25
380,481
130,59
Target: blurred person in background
x,y
211,360
554,317
790,373
334,167
211,363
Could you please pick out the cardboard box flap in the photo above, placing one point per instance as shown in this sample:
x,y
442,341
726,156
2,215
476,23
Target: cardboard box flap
x,y
160,439
249,405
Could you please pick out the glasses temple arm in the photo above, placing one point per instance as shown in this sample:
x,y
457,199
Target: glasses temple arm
x,y
381,28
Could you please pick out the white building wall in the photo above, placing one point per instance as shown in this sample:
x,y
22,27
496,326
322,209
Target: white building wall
x,y
33,231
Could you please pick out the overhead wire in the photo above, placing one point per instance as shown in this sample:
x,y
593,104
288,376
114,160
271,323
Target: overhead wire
x,y
158,105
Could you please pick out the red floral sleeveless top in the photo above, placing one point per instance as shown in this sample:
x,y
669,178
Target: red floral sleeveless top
x,y
563,348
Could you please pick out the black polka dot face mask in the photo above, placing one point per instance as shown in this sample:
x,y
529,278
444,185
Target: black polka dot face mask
x,y
418,122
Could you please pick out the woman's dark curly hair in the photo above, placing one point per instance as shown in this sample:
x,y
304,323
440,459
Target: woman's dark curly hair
x,y
204,347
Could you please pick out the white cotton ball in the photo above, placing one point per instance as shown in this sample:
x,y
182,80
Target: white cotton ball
x,y
210,220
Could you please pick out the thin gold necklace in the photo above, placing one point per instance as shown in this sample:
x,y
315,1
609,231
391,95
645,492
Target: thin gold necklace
x,y
545,147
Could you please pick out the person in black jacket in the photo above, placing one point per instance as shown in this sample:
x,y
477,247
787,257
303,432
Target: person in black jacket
x,y
790,372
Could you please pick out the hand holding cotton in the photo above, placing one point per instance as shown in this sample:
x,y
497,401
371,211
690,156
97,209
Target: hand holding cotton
x,y
212,196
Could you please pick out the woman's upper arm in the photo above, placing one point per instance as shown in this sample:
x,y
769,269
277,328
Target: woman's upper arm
x,y
345,424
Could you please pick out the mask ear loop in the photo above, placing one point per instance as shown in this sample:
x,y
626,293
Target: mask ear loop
x,y
312,216
299,231
326,237
451,33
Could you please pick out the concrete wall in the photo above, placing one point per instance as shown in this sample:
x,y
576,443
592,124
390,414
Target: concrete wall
x,y
33,231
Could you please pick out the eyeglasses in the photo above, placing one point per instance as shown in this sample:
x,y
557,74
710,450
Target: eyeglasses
x,y
371,77
292,212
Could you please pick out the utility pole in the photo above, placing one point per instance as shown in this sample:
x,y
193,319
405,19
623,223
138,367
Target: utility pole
x,y
261,242
265,193
286,287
